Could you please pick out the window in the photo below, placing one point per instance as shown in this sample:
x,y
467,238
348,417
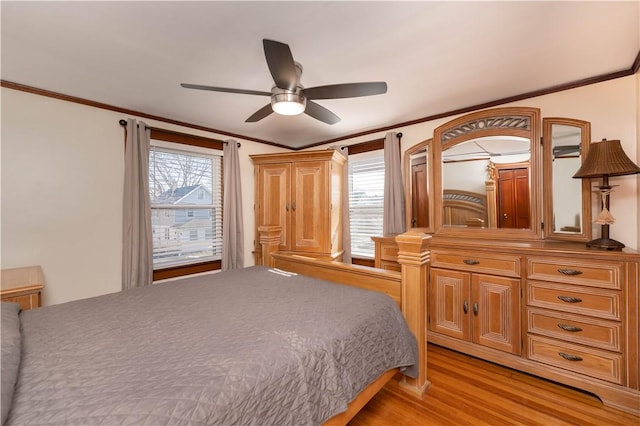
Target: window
x,y
185,184
366,200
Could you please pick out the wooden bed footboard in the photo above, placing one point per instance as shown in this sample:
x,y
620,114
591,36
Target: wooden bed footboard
x,y
408,288
388,282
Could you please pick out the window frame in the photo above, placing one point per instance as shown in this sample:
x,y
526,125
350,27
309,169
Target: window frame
x,y
193,141
361,148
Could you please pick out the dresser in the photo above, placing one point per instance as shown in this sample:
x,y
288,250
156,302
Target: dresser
x,y
554,309
386,253
22,286
557,310
301,192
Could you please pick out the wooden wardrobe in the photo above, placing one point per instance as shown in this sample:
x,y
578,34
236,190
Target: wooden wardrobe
x,y
301,192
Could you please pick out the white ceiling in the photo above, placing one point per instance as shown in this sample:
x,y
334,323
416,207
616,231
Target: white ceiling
x,y
435,56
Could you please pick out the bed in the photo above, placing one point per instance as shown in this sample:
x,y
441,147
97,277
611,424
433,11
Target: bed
x,y
464,208
254,346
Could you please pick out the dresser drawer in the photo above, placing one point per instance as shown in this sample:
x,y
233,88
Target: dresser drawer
x,y
389,251
575,328
574,299
498,264
26,301
583,360
582,272
390,265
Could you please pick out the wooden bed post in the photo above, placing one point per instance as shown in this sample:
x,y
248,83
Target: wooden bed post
x,y
413,256
270,241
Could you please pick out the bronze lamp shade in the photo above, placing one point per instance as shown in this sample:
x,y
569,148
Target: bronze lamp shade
x,y
606,158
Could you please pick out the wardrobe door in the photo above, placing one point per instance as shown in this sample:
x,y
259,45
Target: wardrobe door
x,y
273,199
310,207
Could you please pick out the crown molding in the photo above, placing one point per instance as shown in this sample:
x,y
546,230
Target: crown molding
x,y
546,91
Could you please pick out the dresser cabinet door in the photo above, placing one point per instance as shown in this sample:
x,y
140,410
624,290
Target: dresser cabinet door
x,y
483,309
496,312
449,303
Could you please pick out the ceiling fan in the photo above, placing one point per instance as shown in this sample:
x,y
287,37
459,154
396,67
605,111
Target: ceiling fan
x,y
288,96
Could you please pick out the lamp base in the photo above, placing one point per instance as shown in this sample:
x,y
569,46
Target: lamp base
x,y
605,244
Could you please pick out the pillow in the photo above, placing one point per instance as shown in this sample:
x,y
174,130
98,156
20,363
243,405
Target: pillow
x,y
10,354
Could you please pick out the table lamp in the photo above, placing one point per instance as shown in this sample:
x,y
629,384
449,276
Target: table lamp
x,y
604,159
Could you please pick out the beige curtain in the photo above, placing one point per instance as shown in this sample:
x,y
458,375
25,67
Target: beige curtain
x,y
137,250
232,227
346,218
393,222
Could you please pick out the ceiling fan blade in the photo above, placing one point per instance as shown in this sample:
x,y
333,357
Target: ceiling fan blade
x,y
281,64
347,90
260,114
320,113
224,89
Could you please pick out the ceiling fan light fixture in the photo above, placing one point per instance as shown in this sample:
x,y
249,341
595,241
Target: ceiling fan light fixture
x,y
288,96
288,103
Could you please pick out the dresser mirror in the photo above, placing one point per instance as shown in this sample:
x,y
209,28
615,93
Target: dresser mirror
x,y
567,201
486,175
418,186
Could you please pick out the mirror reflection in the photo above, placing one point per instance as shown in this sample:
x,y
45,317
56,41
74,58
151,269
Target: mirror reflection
x,y
418,186
567,192
419,165
485,183
567,201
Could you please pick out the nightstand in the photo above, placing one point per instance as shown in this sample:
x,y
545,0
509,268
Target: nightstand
x,y
22,286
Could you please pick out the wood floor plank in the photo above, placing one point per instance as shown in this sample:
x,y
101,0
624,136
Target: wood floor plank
x,y
469,391
509,394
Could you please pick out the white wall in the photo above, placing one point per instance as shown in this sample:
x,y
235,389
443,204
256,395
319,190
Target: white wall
x,y
62,168
62,176
62,180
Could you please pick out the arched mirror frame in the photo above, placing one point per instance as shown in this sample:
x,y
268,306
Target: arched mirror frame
x,y
585,140
511,121
424,146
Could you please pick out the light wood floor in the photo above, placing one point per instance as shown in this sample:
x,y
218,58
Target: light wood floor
x,y
469,391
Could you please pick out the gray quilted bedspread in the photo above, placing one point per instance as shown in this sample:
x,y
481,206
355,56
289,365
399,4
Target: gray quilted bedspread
x,y
245,347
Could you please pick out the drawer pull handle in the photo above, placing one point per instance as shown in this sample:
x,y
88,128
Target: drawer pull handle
x,y
475,309
571,328
570,299
465,307
471,261
569,271
570,357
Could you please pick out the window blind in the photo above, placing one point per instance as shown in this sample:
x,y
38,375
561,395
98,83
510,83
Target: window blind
x,y
366,198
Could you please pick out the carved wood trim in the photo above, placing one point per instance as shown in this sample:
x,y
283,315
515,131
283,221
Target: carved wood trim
x,y
269,241
498,122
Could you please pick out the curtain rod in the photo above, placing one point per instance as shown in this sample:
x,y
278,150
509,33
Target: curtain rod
x,y
123,123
